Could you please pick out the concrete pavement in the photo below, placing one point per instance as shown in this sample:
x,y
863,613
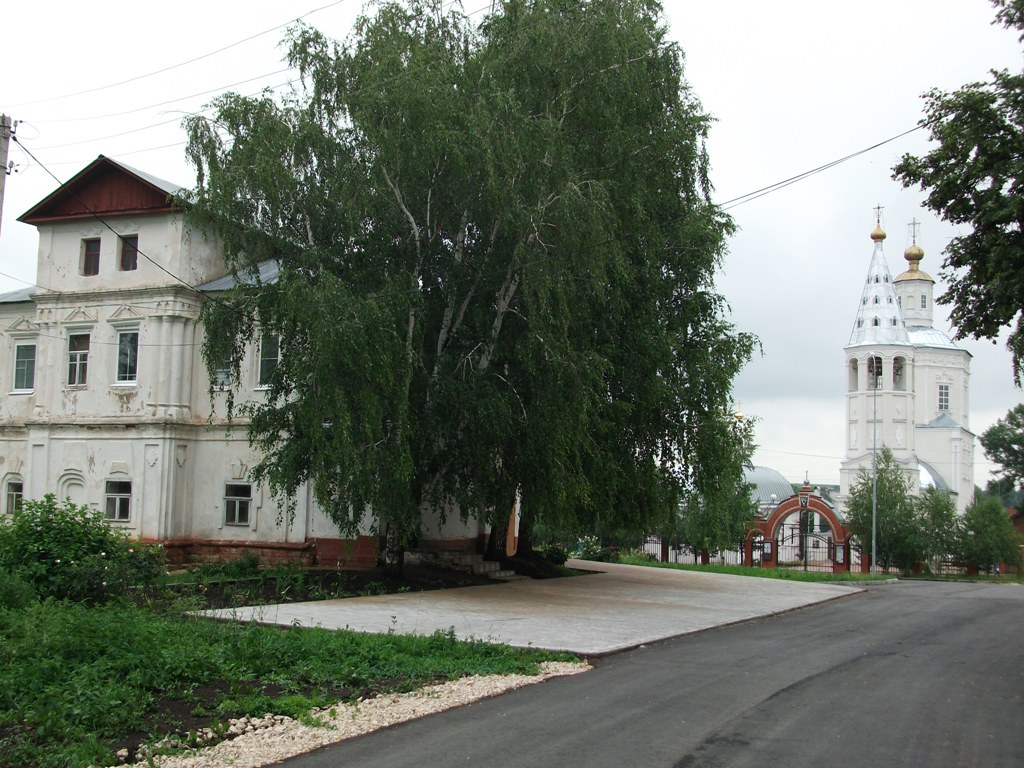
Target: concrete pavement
x,y
614,608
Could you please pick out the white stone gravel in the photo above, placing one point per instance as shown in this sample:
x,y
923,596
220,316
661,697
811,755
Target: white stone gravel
x,y
265,741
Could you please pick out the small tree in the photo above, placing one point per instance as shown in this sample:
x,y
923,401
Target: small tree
x,y
988,537
936,516
899,537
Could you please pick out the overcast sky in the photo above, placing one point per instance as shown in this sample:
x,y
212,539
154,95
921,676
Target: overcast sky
x,y
793,85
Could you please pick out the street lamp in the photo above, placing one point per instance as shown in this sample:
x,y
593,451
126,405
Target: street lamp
x,y
873,370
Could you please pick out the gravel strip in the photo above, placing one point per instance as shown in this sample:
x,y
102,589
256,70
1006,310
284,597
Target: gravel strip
x,y
267,740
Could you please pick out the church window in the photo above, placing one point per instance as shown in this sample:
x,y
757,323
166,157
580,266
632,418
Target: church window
x,y
898,374
270,353
888,300
876,299
24,367
944,397
860,322
876,278
899,302
15,494
893,321
854,369
78,359
885,279
876,322
237,498
129,253
128,356
924,301
874,372
91,256
119,500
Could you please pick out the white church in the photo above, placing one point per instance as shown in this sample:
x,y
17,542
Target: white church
x,y
906,383
104,397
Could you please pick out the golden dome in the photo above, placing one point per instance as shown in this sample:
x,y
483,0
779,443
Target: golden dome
x,y
914,254
878,234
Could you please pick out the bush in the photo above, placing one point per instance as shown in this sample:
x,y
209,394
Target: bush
x,y
15,592
70,552
590,548
554,553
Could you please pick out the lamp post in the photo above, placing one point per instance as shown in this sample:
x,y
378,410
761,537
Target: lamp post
x,y
876,381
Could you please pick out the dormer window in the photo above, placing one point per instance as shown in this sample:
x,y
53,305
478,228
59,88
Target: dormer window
x,y
91,256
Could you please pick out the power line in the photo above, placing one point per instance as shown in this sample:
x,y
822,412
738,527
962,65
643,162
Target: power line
x,y
180,64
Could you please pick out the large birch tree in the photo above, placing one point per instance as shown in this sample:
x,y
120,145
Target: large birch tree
x,y
494,252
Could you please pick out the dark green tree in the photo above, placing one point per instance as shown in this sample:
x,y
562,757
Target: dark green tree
x,y
975,177
988,534
900,540
495,250
1004,444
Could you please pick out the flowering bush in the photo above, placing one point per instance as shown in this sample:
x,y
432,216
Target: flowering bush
x,y
70,552
590,548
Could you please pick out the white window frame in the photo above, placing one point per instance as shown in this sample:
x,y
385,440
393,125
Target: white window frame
x,y
264,367
117,501
238,504
127,373
14,496
18,346
78,360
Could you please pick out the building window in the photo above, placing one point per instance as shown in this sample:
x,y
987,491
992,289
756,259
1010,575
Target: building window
x,y
924,301
24,367
129,252
854,368
899,381
270,352
876,322
128,356
78,359
899,302
874,372
15,492
91,256
119,500
876,299
943,397
237,498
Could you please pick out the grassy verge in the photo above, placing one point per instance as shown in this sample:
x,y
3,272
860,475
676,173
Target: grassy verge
x,y
764,573
77,683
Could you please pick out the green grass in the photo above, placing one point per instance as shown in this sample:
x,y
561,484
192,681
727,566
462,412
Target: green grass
x,y
790,574
76,681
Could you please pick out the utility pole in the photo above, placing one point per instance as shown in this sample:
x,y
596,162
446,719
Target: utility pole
x,y
6,131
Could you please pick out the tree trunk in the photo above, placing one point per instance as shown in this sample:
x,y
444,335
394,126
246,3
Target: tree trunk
x,y
392,554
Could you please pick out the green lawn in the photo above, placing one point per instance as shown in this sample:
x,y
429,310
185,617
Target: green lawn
x,y
78,682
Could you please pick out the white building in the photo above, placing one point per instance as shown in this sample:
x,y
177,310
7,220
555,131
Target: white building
x,y
907,383
107,398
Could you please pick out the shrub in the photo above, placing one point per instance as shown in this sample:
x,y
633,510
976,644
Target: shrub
x,y
66,551
15,592
554,553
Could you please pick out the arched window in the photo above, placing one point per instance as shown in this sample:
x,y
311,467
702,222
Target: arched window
x,y
876,322
853,378
899,381
876,299
874,372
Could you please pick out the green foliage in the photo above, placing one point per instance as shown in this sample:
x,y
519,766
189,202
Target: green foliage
x,y
1004,444
75,679
554,553
939,525
15,591
591,548
467,223
70,552
988,534
900,539
973,178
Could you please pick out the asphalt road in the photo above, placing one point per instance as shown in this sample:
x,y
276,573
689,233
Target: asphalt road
x,y
908,674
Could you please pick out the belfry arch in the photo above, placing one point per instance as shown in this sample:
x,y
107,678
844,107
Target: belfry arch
x,y
766,531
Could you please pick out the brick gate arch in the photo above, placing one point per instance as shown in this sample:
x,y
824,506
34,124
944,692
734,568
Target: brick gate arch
x,y
806,500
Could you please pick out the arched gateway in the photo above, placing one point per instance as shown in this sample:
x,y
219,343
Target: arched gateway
x,y
767,537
